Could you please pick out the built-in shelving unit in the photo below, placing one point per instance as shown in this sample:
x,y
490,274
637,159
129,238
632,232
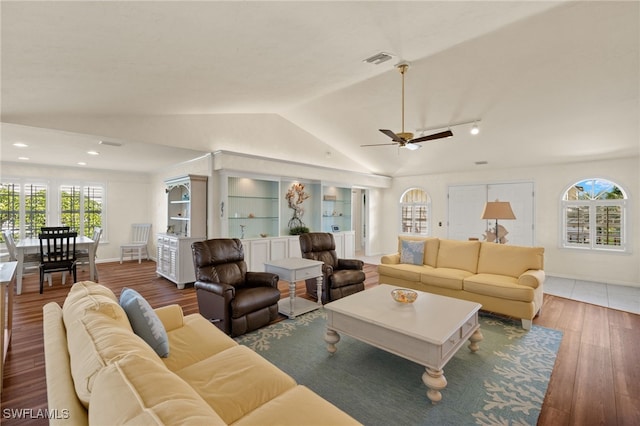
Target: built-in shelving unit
x,y
253,208
336,209
186,223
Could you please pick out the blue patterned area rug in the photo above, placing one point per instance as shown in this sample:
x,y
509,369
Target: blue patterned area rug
x,y
504,383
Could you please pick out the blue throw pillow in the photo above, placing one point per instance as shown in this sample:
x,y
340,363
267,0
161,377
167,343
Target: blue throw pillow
x,y
412,252
145,321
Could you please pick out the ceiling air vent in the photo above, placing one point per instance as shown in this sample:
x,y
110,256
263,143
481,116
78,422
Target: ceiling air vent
x,y
109,143
378,58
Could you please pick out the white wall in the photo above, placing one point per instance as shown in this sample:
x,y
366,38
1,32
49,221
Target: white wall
x,y
549,184
128,197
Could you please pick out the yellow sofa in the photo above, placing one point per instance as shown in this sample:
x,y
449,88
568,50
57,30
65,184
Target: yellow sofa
x,y
505,279
99,372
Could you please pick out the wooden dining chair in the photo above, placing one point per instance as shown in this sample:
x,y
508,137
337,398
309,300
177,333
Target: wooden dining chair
x,y
57,254
54,229
138,244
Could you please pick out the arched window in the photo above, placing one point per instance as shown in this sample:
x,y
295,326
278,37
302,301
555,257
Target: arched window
x,y
415,207
594,215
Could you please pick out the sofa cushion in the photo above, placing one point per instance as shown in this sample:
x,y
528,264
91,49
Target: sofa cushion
x,y
133,390
431,245
87,295
502,259
145,321
237,381
458,255
445,277
278,411
94,341
498,286
412,252
402,271
197,340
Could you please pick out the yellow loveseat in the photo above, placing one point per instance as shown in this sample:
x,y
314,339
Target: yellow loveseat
x,y
99,372
505,279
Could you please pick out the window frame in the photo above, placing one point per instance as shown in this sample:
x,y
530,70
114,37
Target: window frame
x,y
591,205
81,189
26,228
414,210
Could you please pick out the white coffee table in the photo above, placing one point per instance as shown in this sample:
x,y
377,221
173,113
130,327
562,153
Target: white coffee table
x,y
296,269
428,332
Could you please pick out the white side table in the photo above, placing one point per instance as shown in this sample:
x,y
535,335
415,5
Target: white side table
x,y
296,269
7,283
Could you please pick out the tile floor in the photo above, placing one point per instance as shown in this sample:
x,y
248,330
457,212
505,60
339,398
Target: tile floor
x,y
602,294
610,295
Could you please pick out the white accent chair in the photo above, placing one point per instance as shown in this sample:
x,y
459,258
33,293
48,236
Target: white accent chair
x,y
31,260
138,243
82,256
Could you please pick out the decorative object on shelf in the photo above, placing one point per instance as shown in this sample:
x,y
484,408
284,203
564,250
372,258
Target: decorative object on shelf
x,y
497,210
242,231
403,295
263,235
295,197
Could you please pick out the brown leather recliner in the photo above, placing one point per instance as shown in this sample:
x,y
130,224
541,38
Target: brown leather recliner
x,y
235,300
342,277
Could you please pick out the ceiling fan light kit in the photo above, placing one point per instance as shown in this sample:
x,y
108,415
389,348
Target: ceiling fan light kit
x,y
405,139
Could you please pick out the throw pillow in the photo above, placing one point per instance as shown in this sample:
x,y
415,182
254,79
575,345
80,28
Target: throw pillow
x,y
412,252
144,321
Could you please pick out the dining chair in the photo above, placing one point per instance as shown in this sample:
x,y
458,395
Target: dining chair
x,y
54,229
31,260
57,254
82,256
137,244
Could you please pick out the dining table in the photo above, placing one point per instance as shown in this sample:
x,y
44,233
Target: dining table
x,y
33,244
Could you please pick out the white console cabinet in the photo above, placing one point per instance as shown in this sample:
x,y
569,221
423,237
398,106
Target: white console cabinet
x,y
175,260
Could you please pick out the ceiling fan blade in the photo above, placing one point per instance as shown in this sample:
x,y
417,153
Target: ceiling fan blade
x,y
440,135
393,136
381,144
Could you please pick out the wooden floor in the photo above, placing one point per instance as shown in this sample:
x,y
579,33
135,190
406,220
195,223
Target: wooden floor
x,y
596,379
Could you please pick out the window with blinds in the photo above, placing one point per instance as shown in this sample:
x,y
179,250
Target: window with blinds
x,y
594,213
415,210
81,207
23,207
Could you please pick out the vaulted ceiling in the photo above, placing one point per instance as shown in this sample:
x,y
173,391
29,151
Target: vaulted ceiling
x,y
549,82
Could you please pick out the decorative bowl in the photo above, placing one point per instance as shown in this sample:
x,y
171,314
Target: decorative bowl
x,y
263,235
403,295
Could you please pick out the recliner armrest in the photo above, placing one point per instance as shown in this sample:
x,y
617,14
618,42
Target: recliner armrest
x,y
262,279
216,288
350,264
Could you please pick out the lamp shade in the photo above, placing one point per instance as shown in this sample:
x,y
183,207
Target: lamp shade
x,y
498,210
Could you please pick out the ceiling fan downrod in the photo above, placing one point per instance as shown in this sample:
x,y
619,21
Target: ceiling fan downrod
x,y
403,68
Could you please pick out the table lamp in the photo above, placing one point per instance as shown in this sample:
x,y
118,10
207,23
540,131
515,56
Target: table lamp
x,y
497,210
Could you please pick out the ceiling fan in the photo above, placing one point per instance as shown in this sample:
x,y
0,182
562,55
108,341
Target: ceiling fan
x,y
405,139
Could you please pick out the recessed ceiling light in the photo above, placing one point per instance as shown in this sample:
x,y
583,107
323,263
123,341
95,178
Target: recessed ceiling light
x,y
81,163
23,158
20,145
93,153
